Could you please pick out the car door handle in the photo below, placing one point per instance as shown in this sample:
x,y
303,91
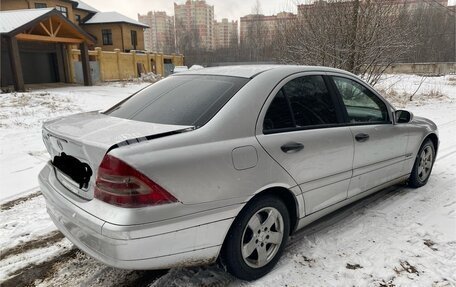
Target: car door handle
x,y
292,147
362,137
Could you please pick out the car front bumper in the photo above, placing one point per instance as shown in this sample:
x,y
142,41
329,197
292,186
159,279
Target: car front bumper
x,y
114,245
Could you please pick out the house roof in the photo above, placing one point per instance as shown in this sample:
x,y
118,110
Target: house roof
x,y
13,19
84,6
112,17
16,22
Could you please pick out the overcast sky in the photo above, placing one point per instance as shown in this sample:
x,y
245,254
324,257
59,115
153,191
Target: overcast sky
x,y
231,9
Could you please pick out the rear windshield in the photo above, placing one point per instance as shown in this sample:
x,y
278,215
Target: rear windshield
x,y
179,100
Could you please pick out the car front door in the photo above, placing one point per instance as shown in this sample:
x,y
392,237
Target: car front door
x,y
300,128
380,146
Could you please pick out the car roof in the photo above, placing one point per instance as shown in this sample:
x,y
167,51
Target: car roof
x,y
250,71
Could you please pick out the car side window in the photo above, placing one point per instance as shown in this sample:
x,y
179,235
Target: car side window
x,y
302,102
310,101
361,104
278,115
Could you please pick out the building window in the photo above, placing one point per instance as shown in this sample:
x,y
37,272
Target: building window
x,y
78,18
134,39
40,5
62,9
107,36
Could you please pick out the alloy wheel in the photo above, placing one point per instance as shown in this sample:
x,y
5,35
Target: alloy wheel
x,y
262,237
425,164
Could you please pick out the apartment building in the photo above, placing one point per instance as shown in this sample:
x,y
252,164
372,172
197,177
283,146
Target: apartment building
x,y
194,22
160,36
225,33
263,26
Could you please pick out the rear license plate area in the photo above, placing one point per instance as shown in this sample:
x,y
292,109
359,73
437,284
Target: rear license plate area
x,y
79,172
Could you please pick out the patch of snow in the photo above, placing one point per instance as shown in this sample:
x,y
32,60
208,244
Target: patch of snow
x,y
24,222
399,88
196,67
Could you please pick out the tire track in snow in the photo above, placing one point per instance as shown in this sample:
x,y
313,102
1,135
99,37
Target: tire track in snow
x,y
82,270
74,268
10,204
40,242
27,275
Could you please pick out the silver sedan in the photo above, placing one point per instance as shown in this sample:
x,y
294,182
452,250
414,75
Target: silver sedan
x,y
223,164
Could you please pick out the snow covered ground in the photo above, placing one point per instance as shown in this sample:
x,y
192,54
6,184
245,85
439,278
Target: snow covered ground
x,y
397,237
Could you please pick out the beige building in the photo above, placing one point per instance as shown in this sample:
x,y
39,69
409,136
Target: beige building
x,y
67,41
35,45
258,25
111,30
74,11
194,22
225,33
159,37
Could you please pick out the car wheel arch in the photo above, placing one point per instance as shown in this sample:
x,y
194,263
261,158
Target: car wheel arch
x,y
284,194
434,139
290,200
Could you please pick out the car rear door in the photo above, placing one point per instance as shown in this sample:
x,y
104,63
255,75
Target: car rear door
x,y
300,128
380,146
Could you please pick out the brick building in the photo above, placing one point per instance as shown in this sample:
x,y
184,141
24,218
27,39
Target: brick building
x,y
159,37
225,33
267,26
110,30
195,18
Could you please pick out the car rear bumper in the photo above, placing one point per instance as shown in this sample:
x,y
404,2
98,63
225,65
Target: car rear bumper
x,y
114,245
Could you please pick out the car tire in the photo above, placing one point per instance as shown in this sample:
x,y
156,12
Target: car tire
x,y
262,229
422,167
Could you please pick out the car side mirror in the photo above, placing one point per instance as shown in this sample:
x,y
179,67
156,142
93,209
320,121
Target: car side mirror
x,y
403,116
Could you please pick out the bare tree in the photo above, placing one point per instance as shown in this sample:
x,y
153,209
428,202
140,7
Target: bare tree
x,y
435,33
256,40
362,37
188,39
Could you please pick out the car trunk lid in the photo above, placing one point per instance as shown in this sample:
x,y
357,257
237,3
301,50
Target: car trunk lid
x,y
78,143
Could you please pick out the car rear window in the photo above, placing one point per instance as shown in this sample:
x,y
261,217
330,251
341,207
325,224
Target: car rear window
x,y
180,100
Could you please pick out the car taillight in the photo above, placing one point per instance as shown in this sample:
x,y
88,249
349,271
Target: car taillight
x,y
120,184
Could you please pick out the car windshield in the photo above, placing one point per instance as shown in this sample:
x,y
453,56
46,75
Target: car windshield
x,y
179,100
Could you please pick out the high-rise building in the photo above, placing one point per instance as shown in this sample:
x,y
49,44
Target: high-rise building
x,y
259,25
160,36
225,33
194,22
